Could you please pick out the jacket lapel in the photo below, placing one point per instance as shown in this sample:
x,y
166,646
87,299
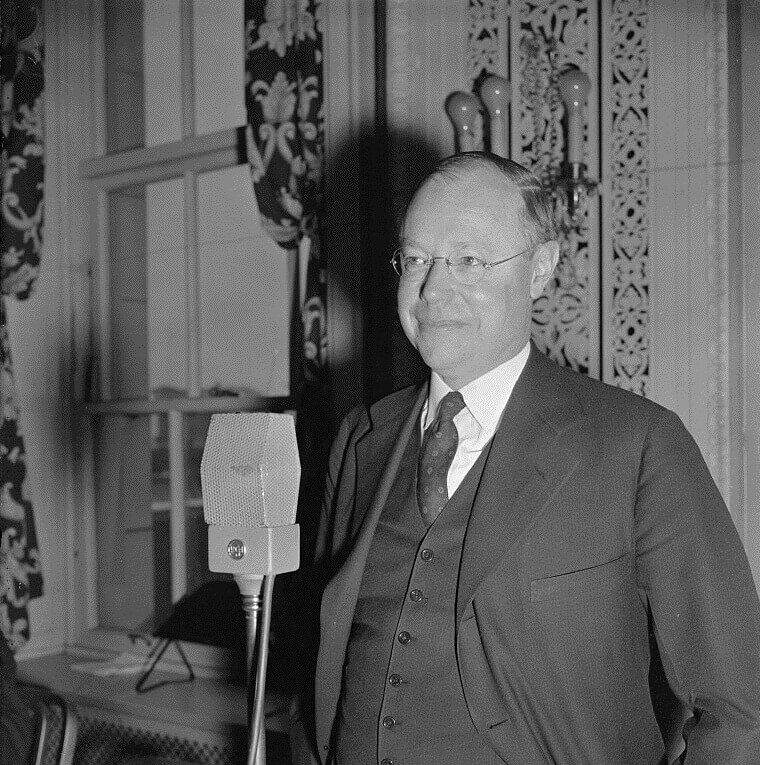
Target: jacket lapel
x,y
532,454
378,453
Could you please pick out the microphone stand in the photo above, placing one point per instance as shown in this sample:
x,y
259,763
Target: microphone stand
x,y
250,591
249,476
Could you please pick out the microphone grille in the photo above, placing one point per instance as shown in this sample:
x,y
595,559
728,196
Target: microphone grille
x,y
250,470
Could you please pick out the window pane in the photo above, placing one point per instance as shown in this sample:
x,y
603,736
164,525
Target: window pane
x,y
123,45
167,287
133,504
122,447
244,289
132,452
162,30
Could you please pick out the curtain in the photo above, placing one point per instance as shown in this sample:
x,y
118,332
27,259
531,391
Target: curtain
x,y
285,152
21,216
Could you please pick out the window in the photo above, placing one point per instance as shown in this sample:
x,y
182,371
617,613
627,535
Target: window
x,y
191,297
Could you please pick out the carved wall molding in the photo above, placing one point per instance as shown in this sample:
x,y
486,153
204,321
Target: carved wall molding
x,y
697,310
402,67
717,232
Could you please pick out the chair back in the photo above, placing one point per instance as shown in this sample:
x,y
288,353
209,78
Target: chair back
x,y
56,729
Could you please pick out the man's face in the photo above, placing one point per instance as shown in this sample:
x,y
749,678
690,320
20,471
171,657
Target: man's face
x,y
463,331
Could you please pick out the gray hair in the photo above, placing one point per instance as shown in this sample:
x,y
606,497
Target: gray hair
x,y
537,215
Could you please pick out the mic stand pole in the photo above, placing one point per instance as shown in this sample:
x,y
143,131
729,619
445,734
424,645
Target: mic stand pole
x,y
250,591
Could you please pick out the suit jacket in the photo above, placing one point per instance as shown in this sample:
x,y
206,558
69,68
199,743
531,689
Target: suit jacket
x,y
603,592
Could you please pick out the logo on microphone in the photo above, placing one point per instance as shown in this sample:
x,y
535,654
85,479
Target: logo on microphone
x,y
236,549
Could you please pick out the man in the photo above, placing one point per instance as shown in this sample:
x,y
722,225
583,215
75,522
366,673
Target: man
x,y
525,565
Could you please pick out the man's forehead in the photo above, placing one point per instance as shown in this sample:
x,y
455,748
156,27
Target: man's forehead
x,y
478,183
477,193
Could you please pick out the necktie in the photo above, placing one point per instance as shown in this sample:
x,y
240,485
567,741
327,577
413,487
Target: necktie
x,y
438,447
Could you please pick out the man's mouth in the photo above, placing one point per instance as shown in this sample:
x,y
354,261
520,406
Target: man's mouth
x,y
439,323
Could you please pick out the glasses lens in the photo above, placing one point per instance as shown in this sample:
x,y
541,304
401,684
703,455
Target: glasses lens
x,y
467,269
410,265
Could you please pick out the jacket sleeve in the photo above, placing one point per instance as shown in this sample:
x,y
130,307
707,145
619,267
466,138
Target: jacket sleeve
x,y
703,602
316,574
340,479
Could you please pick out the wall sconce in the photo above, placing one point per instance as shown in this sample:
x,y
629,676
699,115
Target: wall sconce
x,y
567,183
574,85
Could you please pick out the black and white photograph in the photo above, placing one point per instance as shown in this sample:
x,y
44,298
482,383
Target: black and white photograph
x,y
380,382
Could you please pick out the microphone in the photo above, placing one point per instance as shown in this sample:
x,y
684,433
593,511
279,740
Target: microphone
x,y
250,473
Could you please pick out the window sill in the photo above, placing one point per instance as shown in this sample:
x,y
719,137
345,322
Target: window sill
x,y
216,706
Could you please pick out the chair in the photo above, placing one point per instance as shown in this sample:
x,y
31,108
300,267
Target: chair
x,y
56,728
154,761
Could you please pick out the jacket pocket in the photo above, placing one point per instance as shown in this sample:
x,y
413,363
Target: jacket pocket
x,y
584,582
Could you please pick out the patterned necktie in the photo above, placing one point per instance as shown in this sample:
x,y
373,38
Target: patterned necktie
x,y
439,445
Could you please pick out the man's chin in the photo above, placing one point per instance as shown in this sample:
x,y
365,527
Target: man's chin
x,y
440,359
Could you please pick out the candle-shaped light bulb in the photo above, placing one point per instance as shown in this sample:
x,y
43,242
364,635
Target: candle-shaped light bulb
x,y
495,94
462,109
574,86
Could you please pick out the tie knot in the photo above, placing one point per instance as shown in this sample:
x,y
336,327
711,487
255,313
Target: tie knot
x,y
451,405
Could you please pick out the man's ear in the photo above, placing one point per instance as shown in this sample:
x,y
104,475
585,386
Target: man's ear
x,y
545,260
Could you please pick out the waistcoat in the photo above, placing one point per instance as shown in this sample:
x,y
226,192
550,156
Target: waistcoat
x,y
402,701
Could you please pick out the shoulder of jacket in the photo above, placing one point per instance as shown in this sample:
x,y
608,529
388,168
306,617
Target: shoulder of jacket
x,y
389,406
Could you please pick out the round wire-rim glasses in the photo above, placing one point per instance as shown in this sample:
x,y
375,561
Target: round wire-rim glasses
x,y
466,269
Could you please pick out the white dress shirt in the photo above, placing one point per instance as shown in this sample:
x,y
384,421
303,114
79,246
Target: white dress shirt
x,y
485,399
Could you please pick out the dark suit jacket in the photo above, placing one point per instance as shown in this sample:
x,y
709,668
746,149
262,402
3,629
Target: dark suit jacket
x,y
603,590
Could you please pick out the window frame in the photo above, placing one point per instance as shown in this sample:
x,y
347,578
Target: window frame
x,y
349,111
103,174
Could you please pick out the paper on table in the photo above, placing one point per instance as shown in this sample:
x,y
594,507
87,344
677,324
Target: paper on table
x,y
126,663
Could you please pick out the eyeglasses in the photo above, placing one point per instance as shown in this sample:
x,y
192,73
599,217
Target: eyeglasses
x,y
466,269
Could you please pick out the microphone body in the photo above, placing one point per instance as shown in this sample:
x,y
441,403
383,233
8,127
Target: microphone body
x,y
249,477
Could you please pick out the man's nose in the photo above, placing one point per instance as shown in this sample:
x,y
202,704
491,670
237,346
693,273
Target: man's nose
x,y
437,281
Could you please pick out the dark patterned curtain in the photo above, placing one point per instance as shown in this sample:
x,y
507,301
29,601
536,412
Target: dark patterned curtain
x,y
21,172
285,139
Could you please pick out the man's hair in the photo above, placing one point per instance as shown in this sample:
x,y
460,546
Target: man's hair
x,y
537,215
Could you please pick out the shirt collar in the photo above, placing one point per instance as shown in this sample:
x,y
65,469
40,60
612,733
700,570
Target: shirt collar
x,y
485,397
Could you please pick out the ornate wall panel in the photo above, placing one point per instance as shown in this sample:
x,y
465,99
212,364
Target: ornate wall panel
x,y
594,315
627,283
563,318
486,38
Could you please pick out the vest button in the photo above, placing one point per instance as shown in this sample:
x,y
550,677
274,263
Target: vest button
x,y
426,555
395,680
386,761
416,596
404,637
389,722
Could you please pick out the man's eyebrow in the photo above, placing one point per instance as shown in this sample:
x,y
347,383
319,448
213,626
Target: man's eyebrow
x,y
457,244
412,243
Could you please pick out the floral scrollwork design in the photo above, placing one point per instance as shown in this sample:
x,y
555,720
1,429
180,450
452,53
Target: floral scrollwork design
x,y
21,225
